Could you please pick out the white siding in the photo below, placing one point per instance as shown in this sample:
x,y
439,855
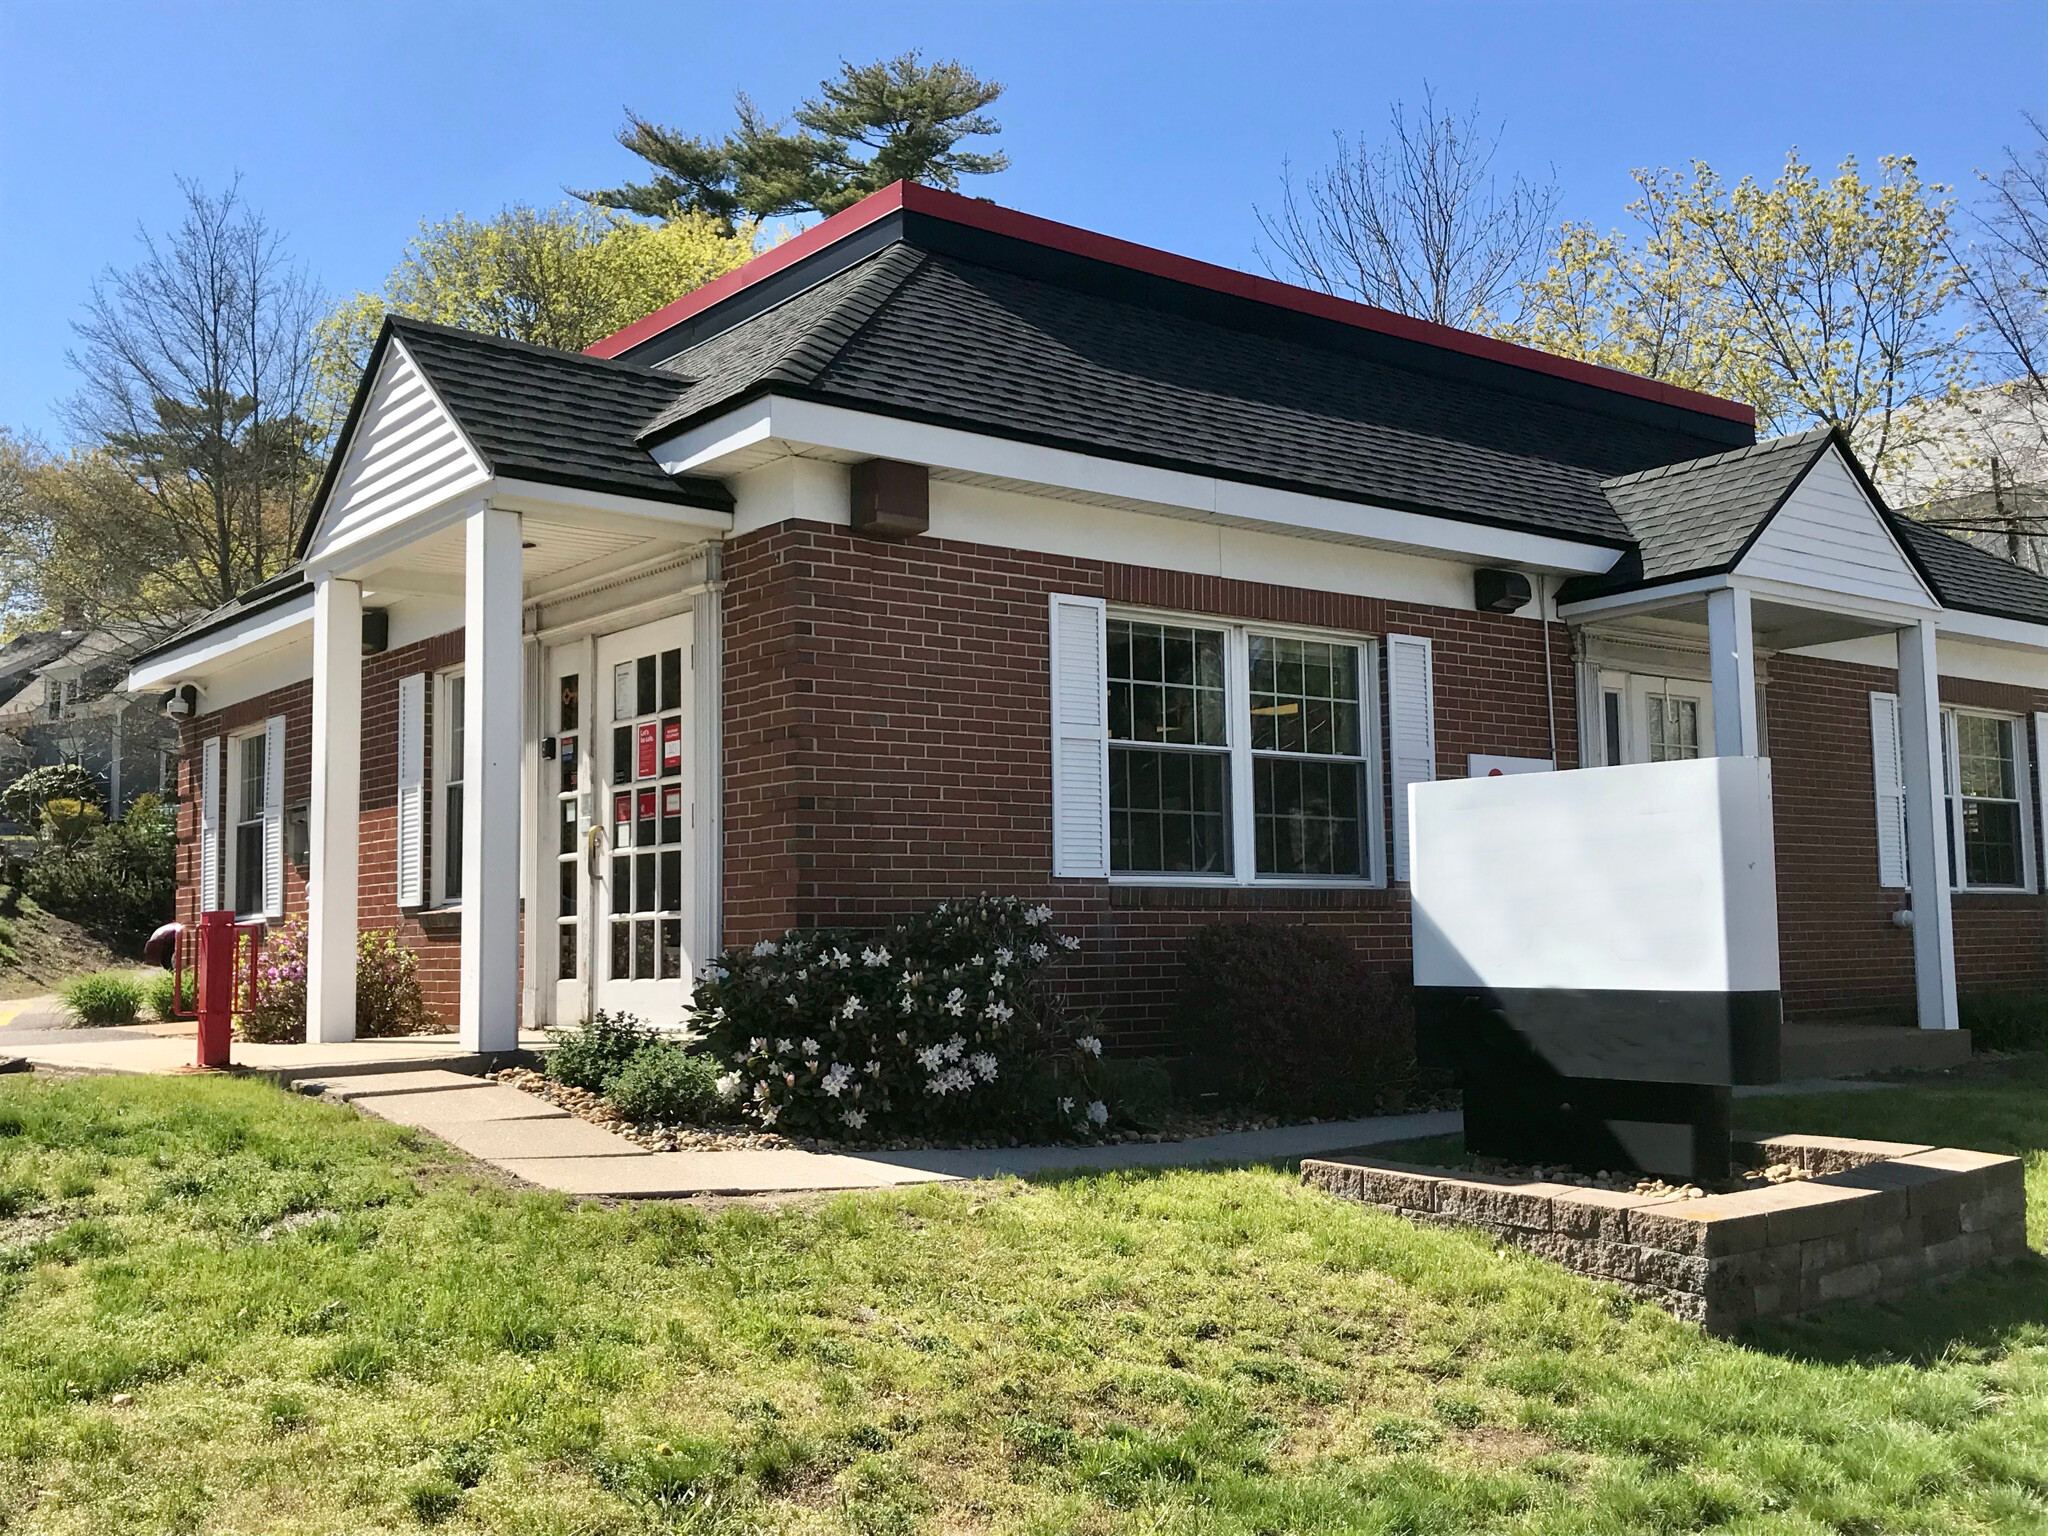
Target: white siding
x,y
209,825
1830,537
407,454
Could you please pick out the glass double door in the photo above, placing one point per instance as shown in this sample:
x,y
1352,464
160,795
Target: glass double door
x,y
626,863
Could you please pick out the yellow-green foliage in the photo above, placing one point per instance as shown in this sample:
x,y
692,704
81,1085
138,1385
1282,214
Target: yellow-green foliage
x,y
226,1308
561,277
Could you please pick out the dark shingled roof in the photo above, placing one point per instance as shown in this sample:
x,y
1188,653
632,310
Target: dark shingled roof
x,y
1698,516
933,337
1964,576
536,413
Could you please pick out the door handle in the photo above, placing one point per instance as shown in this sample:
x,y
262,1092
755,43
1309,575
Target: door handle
x,y
594,850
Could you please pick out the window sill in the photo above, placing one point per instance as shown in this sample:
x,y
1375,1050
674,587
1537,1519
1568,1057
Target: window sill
x,y
1135,896
439,922
1995,897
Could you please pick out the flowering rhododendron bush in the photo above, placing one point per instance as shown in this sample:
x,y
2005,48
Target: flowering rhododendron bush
x,y
942,1023
388,996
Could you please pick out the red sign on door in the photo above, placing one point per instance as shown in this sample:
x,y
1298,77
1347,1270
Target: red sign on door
x,y
671,745
622,813
647,805
645,752
672,801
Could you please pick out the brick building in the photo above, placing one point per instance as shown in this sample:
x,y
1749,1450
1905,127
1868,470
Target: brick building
x,y
944,549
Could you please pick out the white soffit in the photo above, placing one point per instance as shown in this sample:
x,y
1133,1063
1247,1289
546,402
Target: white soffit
x,y
774,427
225,646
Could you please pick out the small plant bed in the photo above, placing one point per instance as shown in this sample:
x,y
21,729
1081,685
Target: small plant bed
x,y
1448,1153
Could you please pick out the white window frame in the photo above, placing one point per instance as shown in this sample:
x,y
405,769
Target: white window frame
x,y
1238,750
237,816
444,758
1952,798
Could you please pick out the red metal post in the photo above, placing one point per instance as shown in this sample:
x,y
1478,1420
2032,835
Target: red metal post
x,y
216,987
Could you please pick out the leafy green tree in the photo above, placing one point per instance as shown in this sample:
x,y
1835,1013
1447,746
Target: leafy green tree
x,y
559,277
1814,299
873,124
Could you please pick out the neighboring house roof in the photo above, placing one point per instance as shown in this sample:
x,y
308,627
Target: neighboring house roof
x,y
936,338
1964,576
537,413
23,658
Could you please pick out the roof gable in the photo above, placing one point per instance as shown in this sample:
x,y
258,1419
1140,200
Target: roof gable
x,y
1830,532
403,450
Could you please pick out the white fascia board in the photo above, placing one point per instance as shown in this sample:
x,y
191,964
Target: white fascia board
x,y
860,434
1993,630
222,647
658,518
1642,599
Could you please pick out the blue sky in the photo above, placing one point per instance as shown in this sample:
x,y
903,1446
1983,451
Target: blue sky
x,y
1159,123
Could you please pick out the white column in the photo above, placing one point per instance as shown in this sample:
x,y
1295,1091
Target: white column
x,y
1934,943
493,694
336,810
1731,646
537,928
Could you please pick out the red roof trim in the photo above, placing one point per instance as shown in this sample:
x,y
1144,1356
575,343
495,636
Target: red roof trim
x,y
978,214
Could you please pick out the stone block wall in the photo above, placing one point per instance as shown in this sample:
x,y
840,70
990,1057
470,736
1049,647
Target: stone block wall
x,y
1876,1219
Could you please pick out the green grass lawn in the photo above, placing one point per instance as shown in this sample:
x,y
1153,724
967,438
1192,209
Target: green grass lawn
x,y
226,1309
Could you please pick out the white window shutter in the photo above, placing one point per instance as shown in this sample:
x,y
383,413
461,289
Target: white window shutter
x,y
1888,776
273,817
1411,728
2039,850
412,789
209,825
1080,739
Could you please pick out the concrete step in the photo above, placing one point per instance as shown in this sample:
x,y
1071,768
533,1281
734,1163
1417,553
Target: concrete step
x,y
1856,1050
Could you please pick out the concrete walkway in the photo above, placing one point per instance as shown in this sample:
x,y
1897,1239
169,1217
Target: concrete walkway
x,y
536,1141
156,1049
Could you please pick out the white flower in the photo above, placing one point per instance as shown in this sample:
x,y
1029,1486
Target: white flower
x,y
998,1010
810,1046
853,1007
996,980
1089,1044
1037,915
956,1003
1066,1106
841,959
804,974
729,1085
789,998
712,971
760,1092
984,1065
952,1080
979,962
1068,941
930,1057
874,956
836,1080
764,949
908,1005
768,1115
1098,1113
1038,952
874,1069
756,1046
1002,957
955,1048
783,1046
855,1119
903,1037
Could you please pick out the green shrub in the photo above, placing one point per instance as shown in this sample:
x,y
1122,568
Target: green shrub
x,y
666,1083
110,997
23,800
388,997
2006,1021
924,1027
119,878
592,1053
159,994
1289,1019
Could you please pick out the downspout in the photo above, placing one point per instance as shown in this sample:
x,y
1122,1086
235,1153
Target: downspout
x,y
1546,600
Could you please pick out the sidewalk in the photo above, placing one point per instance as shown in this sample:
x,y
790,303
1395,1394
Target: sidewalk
x,y
545,1145
37,1029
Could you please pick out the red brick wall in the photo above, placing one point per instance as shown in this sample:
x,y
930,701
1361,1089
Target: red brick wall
x,y
377,900
888,742
1839,952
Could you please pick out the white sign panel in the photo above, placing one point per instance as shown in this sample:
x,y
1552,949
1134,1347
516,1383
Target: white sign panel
x,y
1650,877
1480,766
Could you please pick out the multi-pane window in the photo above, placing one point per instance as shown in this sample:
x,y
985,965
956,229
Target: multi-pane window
x,y
567,768
448,769
1169,757
1674,727
1982,761
646,938
1234,751
249,802
1308,757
